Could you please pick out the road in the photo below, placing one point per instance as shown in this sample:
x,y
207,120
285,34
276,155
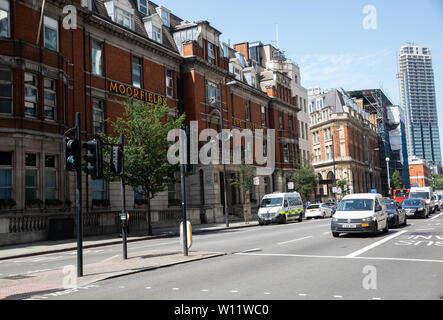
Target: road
x,y
281,262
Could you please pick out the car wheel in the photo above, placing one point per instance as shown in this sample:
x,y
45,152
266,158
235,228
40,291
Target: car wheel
x,y
324,215
335,234
397,222
284,220
375,231
386,229
405,223
300,219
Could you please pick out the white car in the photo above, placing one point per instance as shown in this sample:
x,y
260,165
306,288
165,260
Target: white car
x,y
319,210
360,213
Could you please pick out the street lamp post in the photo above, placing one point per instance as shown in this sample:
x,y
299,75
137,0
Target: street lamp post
x,y
389,176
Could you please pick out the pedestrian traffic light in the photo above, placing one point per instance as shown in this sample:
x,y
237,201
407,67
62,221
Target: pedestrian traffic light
x,y
116,164
94,158
72,154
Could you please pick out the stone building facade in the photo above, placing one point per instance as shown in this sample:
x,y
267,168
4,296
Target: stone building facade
x,y
344,144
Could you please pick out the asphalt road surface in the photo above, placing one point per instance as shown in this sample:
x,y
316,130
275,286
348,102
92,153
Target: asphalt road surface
x,y
281,262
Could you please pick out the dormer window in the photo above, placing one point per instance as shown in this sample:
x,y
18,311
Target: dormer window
x,y
143,6
156,34
164,15
165,18
211,53
124,18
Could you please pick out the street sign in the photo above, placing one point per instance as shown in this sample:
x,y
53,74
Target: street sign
x,y
334,190
339,190
374,191
256,181
290,185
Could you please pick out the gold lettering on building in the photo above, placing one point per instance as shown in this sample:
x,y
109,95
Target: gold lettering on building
x,y
137,93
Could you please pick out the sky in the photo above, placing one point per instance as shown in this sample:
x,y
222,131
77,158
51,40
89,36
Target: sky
x,y
335,43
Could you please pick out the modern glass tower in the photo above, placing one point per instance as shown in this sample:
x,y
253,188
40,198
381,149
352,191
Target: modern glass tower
x,y
419,102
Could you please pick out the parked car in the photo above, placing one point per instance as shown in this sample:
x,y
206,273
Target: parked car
x,y
360,213
396,214
333,206
416,208
319,210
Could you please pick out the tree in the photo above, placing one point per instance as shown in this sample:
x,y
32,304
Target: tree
x,y
437,183
343,184
397,182
244,181
145,127
305,181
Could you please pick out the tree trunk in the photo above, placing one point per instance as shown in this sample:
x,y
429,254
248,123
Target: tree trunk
x,y
149,218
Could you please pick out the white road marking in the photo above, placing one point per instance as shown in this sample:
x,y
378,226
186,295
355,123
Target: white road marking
x,y
148,288
267,293
425,229
302,294
336,257
175,289
376,298
251,250
376,244
285,242
204,290
234,291
338,296
438,215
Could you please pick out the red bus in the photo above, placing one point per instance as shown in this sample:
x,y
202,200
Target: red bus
x,y
401,194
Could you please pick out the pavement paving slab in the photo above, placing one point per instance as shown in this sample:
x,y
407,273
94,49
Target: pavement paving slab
x,y
56,281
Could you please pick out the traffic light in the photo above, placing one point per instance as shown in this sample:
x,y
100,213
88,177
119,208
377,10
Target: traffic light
x,y
116,163
94,158
72,154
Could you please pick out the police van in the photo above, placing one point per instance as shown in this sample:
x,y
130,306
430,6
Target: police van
x,y
280,208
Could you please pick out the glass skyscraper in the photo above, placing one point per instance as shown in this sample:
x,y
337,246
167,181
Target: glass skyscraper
x,y
419,102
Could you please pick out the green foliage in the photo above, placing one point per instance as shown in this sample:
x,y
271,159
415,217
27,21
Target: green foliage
x,y
438,182
145,128
396,181
244,179
343,184
305,181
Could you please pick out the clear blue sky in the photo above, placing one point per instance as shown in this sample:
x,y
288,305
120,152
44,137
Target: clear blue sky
x,y
327,38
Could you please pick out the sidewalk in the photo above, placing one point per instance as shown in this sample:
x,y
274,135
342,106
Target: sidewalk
x,y
41,285
45,247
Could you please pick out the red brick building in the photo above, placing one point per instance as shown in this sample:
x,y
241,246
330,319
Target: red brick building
x,y
89,58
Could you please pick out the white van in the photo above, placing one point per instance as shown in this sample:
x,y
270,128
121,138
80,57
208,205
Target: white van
x,y
280,207
360,213
427,194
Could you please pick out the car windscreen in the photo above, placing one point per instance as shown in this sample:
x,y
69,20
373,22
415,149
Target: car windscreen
x,y
412,203
356,205
314,206
419,195
390,206
271,202
402,193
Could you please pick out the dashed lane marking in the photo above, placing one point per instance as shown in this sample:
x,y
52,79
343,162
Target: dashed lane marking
x,y
286,242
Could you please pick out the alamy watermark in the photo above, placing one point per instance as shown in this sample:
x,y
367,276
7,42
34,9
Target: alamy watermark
x,y
370,20
255,151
